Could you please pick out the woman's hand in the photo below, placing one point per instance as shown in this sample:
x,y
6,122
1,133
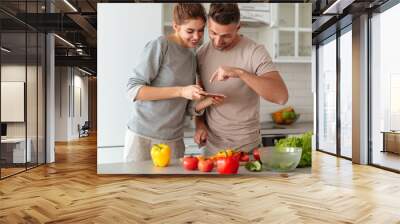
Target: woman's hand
x,y
193,92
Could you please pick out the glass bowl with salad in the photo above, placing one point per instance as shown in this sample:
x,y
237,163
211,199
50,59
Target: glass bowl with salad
x,y
280,159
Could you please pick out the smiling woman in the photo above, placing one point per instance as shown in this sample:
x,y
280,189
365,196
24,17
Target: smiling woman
x,y
163,83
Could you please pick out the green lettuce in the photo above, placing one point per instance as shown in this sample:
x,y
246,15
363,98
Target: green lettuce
x,y
303,141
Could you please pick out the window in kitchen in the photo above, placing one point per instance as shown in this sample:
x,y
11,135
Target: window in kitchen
x,y
327,96
346,92
385,89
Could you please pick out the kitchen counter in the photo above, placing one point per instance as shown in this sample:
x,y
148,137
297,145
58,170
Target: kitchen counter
x,y
175,168
269,128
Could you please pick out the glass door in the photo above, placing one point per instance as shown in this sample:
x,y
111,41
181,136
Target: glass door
x,y
346,93
13,103
326,96
385,89
22,77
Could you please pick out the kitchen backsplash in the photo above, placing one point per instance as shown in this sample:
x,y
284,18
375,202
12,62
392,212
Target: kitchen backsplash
x,y
297,77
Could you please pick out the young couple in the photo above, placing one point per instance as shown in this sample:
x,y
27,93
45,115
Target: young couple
x,y
171,81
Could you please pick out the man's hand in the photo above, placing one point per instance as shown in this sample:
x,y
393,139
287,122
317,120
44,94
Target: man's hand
x,y
200,137
224,72
217,100
208,101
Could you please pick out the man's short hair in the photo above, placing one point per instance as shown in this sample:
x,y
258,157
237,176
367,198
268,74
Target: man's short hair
x,y
224,13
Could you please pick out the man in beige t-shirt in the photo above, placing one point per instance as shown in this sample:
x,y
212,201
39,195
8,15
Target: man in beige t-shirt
x,y
241,69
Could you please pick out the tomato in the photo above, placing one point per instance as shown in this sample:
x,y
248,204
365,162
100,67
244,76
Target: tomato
x,y
256,154
228,165
206,165
190,163
244,157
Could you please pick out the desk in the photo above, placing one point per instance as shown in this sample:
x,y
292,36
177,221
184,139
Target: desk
x,y
13,150
391,141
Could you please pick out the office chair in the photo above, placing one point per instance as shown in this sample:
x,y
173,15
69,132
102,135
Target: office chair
x,y
84,130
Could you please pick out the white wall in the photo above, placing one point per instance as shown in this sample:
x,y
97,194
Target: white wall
x,y
33,126
122,32
298,78
61,103
15,72
79,117
68,80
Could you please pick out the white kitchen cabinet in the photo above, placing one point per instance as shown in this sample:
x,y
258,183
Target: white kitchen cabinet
x,y
291,27
255,14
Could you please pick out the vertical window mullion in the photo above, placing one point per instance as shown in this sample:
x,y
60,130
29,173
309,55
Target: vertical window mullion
x,y
0,93
37,90
26,87
317,98
338,74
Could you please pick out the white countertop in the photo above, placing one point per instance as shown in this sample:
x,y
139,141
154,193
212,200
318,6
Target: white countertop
x,y
269,128
175,168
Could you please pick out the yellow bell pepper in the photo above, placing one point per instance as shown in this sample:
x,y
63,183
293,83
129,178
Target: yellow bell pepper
x,y
225,153
160,154
220,154
230,152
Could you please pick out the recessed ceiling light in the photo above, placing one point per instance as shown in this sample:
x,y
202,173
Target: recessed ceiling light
x,y
84,71
337,7
64,40
70,5
5,50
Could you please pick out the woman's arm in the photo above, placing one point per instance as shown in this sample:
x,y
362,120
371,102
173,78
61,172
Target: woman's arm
x,y
158,93
192,92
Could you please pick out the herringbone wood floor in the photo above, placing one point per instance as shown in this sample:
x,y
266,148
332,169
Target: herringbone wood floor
x,y
70,191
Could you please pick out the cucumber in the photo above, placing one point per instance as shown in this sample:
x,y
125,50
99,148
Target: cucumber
x,y
253,166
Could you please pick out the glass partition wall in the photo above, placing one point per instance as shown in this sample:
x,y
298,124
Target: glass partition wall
x,y
385,89
346,93
327,96
334,94
334,90
22,87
